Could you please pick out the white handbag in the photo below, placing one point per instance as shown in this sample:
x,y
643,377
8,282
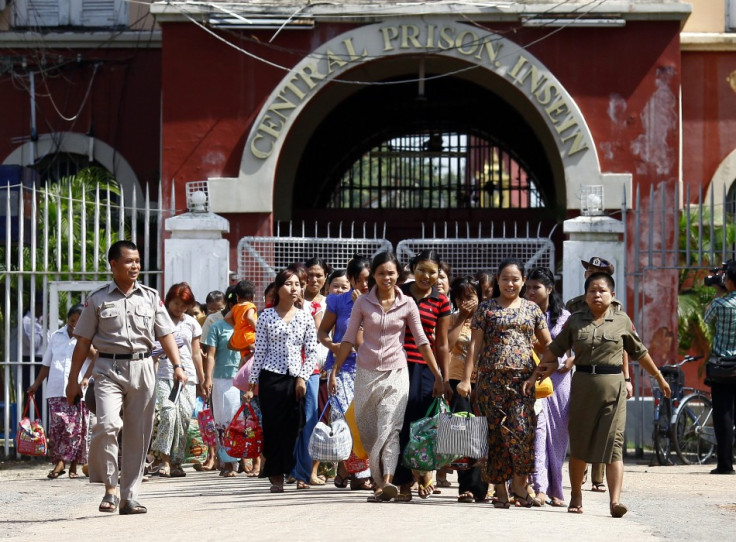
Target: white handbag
x,y
462,434
331,442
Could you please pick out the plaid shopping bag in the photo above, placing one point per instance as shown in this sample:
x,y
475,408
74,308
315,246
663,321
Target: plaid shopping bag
x,y
421,451
331,442
463,434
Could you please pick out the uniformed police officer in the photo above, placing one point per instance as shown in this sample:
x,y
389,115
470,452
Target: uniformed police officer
x,y
598,335
600,265
122,320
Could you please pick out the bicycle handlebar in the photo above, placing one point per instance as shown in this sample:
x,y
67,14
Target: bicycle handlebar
x,y
686,359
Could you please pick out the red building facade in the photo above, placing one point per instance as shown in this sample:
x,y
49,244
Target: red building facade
x,y
272,102
591,100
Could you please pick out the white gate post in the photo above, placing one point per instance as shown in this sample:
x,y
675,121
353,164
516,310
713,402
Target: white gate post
x,y
592,236
196,253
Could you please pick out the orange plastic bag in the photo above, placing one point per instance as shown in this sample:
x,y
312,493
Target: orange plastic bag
x,y
545,388
358,449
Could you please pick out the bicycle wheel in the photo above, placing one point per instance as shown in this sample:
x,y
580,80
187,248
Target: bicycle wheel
x,y
693,433
662,441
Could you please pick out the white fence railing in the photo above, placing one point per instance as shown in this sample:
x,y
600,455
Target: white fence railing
x,y
54,237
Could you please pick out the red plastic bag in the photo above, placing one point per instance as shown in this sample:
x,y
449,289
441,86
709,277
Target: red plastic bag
x,y
355,464
207,429
31,439
244,435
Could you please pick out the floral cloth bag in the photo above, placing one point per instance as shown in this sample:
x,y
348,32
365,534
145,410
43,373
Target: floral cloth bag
x,y
207,428
244,435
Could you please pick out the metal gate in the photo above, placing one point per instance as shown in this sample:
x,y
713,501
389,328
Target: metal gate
x,y
55,242
467,255
675,244
261,258
466,249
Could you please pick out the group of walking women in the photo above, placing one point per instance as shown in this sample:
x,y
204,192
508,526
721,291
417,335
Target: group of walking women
x,y
391,344
398,344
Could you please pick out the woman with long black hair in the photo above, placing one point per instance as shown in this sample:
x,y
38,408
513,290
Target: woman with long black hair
x,y
504,329
550,445
335,321
382,380
434,310
282,333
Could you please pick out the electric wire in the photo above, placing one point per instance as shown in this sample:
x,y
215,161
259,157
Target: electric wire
x,y
588,7
84,100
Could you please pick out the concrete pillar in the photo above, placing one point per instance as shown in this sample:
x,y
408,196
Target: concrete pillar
x,y
196,253
590,236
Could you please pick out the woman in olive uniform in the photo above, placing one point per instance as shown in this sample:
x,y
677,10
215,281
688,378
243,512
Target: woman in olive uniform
x,y
598,335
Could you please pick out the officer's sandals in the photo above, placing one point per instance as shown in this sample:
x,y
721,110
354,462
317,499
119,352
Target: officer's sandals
x,y
132,507
109,503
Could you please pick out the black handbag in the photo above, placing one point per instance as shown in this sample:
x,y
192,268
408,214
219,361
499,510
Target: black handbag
x,y
720,370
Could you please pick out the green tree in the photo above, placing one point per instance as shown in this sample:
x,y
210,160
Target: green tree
x,y
694,296
60,217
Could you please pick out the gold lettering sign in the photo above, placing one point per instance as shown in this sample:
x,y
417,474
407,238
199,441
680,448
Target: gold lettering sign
x,y
484,49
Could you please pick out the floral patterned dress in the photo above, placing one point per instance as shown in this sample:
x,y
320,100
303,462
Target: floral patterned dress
x,y
504,363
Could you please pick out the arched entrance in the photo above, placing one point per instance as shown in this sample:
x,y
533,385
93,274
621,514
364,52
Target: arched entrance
x,y
723,185
79,144
474,79
455,152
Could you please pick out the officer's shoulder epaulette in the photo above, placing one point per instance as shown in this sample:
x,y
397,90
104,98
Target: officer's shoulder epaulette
x,y
148,289
99,289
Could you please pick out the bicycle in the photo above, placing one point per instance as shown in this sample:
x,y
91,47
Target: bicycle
x,y
694,436
666,411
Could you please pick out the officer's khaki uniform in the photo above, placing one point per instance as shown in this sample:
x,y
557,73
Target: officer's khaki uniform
x,y
577,304
598,401
120,324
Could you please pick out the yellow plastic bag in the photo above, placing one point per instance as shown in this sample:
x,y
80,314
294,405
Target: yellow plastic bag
x,y
358,449
545,388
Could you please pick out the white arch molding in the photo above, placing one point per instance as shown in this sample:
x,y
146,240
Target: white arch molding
x,y
75,143
525,81
722,180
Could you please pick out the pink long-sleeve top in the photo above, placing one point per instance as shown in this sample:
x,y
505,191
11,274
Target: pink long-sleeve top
x,y
383,331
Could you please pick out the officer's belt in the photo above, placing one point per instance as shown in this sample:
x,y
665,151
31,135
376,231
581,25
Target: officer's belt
x,y
137,355
599,369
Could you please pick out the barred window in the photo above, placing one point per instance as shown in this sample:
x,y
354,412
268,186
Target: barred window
x,y
433,169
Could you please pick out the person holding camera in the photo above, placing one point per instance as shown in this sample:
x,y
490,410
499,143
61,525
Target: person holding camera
x,y
721,368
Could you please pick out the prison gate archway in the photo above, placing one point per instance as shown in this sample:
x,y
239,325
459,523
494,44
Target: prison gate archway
x,y
485,64
75,143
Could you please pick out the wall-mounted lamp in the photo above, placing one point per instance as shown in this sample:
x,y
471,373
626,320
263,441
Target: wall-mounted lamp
x,y
591,200
197,197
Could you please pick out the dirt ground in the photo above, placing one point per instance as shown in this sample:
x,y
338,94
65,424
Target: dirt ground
x,y
665,503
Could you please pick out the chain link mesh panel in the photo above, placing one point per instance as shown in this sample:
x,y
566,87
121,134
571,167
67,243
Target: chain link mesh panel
x,y
467,256
261,258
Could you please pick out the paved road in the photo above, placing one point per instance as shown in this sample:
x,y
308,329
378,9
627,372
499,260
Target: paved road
x,y
682,502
